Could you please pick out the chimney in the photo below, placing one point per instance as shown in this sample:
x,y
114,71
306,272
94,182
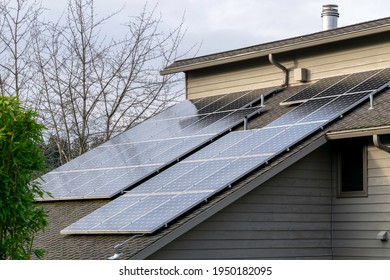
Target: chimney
x,y
329,16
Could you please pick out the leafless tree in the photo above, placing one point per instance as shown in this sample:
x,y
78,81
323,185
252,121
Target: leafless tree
x,y
18,20
87,85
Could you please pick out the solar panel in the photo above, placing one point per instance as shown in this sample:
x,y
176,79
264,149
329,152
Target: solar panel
x,y
300,112
347,83
331,86
143,150
336,107
154,219
183,186
312,90
237,100
376,81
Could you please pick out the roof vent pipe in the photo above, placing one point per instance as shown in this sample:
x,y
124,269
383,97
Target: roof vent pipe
x,y
329,16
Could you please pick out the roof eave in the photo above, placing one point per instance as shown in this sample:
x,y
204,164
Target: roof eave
x,y
361,132
279,49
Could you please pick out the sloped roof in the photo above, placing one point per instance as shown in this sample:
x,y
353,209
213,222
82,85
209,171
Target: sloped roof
x,y
318,38
136,246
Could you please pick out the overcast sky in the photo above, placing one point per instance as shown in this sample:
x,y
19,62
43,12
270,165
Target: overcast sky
x,y
222,25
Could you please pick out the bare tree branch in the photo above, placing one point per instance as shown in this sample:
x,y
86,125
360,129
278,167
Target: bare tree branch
x,y
87,86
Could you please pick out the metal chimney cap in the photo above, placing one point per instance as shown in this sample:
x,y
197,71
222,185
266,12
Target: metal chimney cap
x,y
329,16
330,10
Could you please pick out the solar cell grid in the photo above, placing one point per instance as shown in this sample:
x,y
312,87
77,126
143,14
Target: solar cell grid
x,y
235,101
173,207
87,182
204,105
248,144
248,97
132,213
174,152
182,109
63,179
223,143
187,108
171,174
224,101
313,90
119,155
300,112
203,170
374,82
101,214
336,108
286,139
74,164
228,174
229,120
347,84
145,131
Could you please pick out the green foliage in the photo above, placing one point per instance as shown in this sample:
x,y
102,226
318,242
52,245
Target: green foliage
x,y
21,156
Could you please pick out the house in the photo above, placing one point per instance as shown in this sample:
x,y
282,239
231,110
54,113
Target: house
x,y
325,196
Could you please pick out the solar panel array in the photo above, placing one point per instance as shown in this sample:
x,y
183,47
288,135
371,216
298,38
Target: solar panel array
x,y
143,150
356,82
185,185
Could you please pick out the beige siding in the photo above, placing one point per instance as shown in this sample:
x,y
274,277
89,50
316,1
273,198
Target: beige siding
x,y
287,217
357,221
350,57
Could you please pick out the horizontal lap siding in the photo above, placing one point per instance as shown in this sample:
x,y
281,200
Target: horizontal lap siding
x,y
357,221
286,218
334,60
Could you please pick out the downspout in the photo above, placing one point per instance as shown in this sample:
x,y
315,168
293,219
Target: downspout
x,y
281,67
379,144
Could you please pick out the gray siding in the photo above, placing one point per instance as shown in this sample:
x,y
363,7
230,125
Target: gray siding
x,y
357,221
287,217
